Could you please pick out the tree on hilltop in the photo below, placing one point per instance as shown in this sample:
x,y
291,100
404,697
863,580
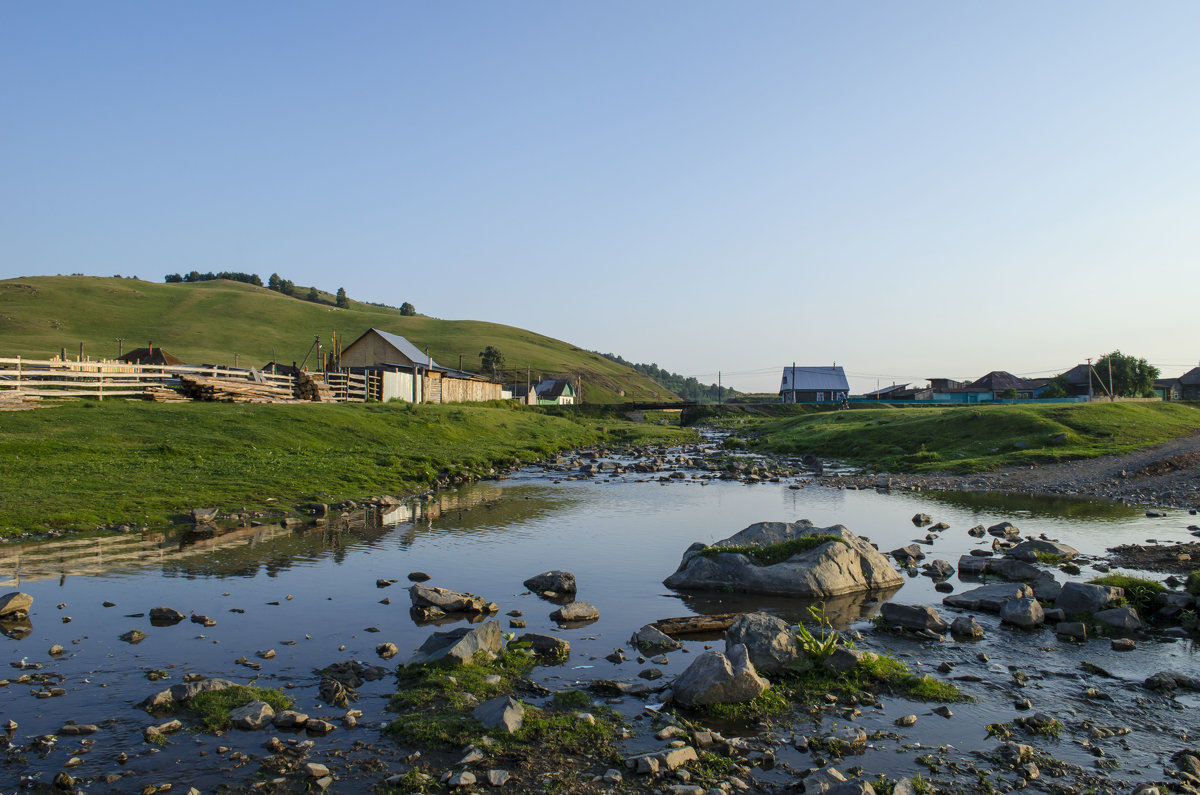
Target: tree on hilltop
x,y
407,309
342,300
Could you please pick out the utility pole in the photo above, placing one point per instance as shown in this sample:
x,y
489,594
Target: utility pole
x,y
120,346
1112,397
1089,379
719,399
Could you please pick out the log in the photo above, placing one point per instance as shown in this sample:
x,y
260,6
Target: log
x,y
689,625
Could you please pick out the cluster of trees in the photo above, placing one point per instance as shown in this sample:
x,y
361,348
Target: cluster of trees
x,y
686,387
197,276
278,284
491,360
1116,374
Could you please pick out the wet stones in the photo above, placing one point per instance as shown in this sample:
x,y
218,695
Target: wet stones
x,y
650,639
1004,530
165,616
988,598
1122,619
133,636
253,716
966,627
547,647
1071,630
1030,551
448,601
922,519
387,650
908,554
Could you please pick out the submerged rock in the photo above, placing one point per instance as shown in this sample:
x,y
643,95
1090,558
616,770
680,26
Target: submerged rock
x,y
841,565
1029,551
575,611
449,601
650,639
914,617
714,678
988,598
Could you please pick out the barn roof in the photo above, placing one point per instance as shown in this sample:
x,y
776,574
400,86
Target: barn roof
x,y
822,378
406,348
553,388
149,356
887,390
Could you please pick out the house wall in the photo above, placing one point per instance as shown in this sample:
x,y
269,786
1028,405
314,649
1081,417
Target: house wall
x,y
397,386
810,396
372,350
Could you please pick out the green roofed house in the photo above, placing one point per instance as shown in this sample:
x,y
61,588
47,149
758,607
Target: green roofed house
x,y
814,385
555,392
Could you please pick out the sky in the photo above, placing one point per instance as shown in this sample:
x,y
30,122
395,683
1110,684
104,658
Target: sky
x,y
908,190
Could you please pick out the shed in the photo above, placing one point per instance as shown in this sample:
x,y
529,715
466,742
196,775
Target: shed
x,y
1189,384
813,385
150,355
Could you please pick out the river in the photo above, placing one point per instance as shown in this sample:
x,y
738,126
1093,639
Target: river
x,y
310,595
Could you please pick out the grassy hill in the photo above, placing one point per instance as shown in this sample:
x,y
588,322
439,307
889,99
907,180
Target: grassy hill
x,y
211,321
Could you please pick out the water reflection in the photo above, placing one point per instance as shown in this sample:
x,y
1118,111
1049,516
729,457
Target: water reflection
x,y
1057,507
841,611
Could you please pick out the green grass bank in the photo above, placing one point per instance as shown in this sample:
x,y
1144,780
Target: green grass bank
x,y
968,438
82,464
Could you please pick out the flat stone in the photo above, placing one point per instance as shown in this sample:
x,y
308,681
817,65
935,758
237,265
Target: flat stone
x,y
575,611
15,603
988,598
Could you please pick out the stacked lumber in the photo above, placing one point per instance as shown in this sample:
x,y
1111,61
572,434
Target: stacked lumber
x,y
162,394
229,390
12,397
313,387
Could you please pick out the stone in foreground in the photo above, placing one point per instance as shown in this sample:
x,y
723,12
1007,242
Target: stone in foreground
x,y
449,601
459,646
717,679
770,642
15,603
503,712
914,617
575,611
845,565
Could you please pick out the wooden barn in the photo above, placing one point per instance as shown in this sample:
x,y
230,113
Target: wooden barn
x,y
411,375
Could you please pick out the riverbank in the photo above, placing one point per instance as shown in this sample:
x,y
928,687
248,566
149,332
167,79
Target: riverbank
x,y
1163,475
85,465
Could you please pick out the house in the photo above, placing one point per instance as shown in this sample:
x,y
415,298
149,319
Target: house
x,y
1189,385
555,392
996,385
887,393
1169,388
150,355
813,385
412,375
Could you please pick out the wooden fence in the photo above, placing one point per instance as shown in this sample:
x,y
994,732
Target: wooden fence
x,y
105,379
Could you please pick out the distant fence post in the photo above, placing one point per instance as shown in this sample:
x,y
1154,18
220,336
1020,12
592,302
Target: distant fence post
x,y
18,373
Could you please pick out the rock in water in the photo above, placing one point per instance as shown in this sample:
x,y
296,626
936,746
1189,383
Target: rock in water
x,y
714,678
449,601
15,603
575,611
650,639
844,564
255,715
458,646
556,581
914,617
770,642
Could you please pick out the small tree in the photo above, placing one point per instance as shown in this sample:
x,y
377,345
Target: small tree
x,y
491,359
287,287
407,309
1007,394
342,300
273,282
313,295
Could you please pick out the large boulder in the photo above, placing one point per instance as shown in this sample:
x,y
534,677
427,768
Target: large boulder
x,y
714,678
575,611
842,564
459,646
15,604
1028,551
1077,598
555,581
1124,619
770,642
988,598
449,601
914,617
501,712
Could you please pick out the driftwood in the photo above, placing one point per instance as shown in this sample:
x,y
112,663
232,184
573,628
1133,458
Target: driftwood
x,y
690,625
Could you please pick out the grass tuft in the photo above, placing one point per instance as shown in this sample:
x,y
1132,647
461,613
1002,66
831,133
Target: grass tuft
x,y
212,708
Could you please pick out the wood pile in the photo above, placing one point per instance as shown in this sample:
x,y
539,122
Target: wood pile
x,y
313,388
163,394
228,390
15,397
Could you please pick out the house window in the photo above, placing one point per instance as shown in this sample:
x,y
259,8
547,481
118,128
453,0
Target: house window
x,y
820,397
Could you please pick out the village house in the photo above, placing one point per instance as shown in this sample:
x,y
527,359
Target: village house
x,y
524,393
555,392
1189,385
814,385
996,385
150,355
411,375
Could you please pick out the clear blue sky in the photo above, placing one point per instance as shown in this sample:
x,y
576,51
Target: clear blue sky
x,y
909,189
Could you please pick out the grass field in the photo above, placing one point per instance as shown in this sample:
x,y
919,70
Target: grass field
x,y
82,464
971,438
210,322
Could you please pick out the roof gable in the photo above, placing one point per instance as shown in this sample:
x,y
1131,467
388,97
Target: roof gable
x,y
403,346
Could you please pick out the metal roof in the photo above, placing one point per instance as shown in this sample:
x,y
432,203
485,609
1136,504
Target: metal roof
x,y
414,354
886,389
806,378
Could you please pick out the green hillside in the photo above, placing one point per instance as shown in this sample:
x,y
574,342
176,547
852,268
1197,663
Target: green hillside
x,y
212,321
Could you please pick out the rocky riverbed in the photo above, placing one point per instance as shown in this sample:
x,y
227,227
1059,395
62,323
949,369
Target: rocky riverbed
x,y
296,609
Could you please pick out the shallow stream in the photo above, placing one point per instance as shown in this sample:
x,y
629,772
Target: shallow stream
x,y
311,595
